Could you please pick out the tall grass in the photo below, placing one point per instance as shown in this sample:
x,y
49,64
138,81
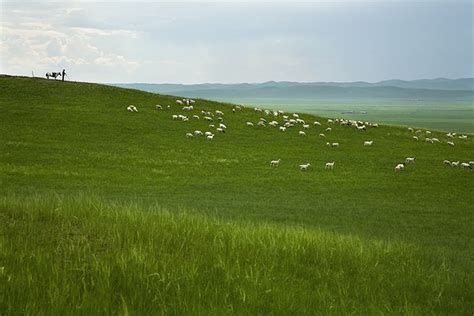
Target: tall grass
x,y
86,256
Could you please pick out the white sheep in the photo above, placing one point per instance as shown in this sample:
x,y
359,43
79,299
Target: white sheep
x,y
274,163
208,133
329,165
158,107
330,121
132,108
196,117
222,126
306,126
447,162
210,137
212,125
174,116
435,139
335,144
466,165
295,115
261,123
208,118
410,129
462,136
249,124
198,133
305,167
219,112
429,140
400,167
328,129
415,137
317,123
428,132
368,143
282,128
189,135
179,102
301,133
455,163
450,143
220,130
322,135
409,159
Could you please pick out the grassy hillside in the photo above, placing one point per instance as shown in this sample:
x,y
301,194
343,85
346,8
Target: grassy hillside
x,y
61,140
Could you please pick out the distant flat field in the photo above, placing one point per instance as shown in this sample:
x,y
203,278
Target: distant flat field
x,y
456,116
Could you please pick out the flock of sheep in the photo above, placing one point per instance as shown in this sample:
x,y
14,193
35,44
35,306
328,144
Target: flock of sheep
x,y
288,121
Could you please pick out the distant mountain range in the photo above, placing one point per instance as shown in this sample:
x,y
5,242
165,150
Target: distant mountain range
x,y
424,89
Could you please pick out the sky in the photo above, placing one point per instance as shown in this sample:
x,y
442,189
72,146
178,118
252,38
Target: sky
x,y
231,42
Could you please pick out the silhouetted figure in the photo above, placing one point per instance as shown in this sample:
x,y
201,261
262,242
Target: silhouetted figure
x,y
63,74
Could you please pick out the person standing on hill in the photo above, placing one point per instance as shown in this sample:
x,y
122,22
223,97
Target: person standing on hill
x,y
63,74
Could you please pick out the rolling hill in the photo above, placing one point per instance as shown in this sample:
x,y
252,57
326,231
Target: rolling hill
x,y
109,211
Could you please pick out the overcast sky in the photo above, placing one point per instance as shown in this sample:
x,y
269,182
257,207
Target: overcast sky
x,y
224,41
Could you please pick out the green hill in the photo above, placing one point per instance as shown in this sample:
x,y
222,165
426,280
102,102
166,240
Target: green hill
x,y
108,211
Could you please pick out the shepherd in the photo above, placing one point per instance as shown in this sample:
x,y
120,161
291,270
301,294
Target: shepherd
x,y
63,75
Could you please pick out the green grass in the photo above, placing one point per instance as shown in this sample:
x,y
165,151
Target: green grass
x,y
84,256
75,140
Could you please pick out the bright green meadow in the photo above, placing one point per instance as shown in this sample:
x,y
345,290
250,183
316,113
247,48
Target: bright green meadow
x,y
105,211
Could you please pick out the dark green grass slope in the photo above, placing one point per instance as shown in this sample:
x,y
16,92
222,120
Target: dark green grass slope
x,y
68,137
74,139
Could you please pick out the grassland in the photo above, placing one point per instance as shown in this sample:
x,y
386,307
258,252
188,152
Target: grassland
x,y
108,211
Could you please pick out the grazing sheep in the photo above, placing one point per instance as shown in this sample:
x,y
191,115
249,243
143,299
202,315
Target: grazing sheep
x,y
274,163
196,117
447,162
132,108
306,126
222,126
220,130
189,135
462,137
208,133
415,137
368,143
400,167
301,133
471,163
179,102
282,128
450,144
317,123
428,132
410,129
198,133
175,117
435,140
330,121
305,167
429,140
249,124
208,118
466,165
261,123
335,144
295,115
322,135
329,165
158,107
210,137
212,125
418,131
328,129
455,163
219,112
450,135
409,159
